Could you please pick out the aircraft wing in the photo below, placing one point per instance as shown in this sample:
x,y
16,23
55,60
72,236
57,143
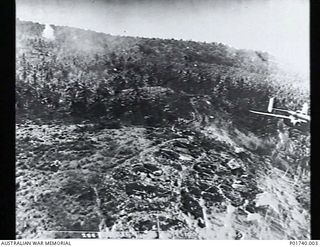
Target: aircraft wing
x,y
272,115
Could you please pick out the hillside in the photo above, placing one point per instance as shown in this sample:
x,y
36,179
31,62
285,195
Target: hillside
x,y
152,138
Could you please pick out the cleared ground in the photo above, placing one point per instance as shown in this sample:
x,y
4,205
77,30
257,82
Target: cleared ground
x,y
168,183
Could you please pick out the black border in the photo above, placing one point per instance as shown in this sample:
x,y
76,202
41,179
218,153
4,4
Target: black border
x,y
7,121
315,117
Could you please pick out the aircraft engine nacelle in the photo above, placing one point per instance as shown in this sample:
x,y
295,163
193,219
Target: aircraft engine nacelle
x,y
304,127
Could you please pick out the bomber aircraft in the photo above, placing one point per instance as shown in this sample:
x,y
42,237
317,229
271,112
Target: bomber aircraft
x,y
298,119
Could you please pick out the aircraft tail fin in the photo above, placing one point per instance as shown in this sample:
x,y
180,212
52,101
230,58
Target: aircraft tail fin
x,y
270,106
305,109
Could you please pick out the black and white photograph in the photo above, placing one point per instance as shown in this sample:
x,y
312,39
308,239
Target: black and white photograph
x,y
172,119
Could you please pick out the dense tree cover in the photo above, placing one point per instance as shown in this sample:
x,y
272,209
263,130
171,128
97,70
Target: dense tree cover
x,y
87,75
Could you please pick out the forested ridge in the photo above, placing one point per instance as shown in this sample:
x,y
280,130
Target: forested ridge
x,y
83,74
136,136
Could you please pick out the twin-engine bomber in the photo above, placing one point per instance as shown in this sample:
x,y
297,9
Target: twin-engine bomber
x,y
297,119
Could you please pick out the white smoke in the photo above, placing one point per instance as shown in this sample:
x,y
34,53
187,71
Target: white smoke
x,y
48,32
279,27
